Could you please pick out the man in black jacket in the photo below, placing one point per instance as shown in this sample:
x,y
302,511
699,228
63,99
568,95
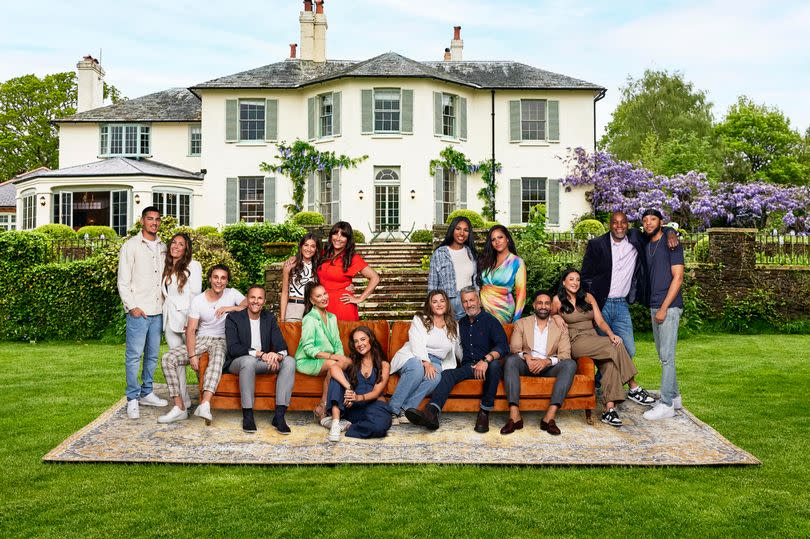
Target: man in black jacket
x,y
255,345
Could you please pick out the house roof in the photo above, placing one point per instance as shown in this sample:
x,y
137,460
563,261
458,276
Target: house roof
x,y
8,195
115,166
172,105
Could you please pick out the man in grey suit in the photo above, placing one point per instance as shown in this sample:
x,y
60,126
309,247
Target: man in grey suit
x,y
255,345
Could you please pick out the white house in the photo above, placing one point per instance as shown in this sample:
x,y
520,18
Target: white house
x,y
196,152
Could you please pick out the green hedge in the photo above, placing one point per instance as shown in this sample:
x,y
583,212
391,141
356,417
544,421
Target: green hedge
x,y
589,228
97,231
246,244
310,218
56,231
421,236
475,218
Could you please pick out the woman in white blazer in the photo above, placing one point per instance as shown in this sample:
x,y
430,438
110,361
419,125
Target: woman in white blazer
x,y
433,345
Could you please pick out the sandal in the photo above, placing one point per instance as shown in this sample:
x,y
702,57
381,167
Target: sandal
x,y
319,412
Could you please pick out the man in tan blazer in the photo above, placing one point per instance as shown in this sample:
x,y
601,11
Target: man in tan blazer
x,y
538,349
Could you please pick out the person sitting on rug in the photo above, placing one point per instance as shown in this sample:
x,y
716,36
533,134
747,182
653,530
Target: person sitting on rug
x,y
320,346
255,346
205,332
432,345
538,349
354,393
483,342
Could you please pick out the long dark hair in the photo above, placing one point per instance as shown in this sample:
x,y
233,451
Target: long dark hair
x,y
329,253
179,268
377,355
449,239
308,289
426,315
489,257
562,294
298,261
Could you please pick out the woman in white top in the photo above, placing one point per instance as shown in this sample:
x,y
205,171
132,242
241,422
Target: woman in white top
x,y
295,275
452,265
433,345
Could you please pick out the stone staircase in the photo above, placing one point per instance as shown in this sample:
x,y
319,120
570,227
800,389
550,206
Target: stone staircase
x,y
400,293
394,255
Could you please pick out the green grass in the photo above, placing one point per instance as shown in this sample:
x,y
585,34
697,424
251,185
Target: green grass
x,y
752,389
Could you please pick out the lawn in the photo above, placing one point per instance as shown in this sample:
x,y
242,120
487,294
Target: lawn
x,y
752,389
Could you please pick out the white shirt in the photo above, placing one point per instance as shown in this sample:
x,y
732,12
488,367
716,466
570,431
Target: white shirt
x,y
205,312
624,265
255,335
421,343
463,266
540,341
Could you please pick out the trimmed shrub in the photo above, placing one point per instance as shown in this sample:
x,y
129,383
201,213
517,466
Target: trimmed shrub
x,y
517,232
587,228
20,249
422,236
359,237
209,251
96,232
57,231
246,244
701,250
543,269
474,217
207,231
308,218
490,224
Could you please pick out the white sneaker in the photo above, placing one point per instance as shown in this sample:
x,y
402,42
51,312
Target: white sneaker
x,y
334,432
326,421
133,410
344,424
153,400
660,411
175,414
204,411
677,403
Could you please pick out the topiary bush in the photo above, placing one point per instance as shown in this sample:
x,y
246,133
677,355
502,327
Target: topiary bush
x,y
422,236
588,228
490,224
308,218
246,244
96,231
359,237
207,231
57,231
701,250
475,218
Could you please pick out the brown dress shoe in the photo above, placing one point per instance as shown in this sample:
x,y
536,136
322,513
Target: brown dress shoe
x,y
512,426
551,427
482,423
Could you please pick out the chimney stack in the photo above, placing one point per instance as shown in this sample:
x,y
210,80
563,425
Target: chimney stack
x,y
319,51
447,56
293,47
90,84
456,45
307,20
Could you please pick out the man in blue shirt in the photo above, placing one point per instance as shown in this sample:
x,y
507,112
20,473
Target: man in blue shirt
x,y
483,342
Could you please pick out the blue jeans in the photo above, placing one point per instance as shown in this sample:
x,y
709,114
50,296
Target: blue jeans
x,y
616,313
143,337
412,386
451,377
666,337
455,304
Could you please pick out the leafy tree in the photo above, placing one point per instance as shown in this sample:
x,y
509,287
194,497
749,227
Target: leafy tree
x,y
659,103
682,153
761,145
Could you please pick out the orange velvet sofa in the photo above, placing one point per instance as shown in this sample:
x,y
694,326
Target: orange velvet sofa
x,y
534,394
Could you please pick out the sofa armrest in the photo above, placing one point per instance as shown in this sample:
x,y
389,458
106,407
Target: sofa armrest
x,y
584,366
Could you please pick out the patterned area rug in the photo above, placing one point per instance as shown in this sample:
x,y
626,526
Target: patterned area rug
x,y
681,441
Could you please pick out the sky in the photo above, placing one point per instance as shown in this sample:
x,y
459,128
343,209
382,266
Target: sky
x,y
726,48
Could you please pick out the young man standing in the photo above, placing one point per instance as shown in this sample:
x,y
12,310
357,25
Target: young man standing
x,y
140,266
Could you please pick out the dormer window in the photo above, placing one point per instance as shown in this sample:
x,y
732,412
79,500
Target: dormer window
x,y
128,140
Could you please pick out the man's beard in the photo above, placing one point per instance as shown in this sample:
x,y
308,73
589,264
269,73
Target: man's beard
x,y
542,314
655,232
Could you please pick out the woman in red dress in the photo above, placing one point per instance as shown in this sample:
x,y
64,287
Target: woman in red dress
x,y
338,267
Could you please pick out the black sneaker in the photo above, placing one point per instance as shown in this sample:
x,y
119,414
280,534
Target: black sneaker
x,y
611,418
280,425
640,396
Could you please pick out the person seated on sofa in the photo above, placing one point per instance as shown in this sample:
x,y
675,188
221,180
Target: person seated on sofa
x,y
205,332
432,346
255,346
538,349
320,347
354,391
483,342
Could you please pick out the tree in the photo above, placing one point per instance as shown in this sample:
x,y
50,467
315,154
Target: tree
x,y
761,145
682,153
662,104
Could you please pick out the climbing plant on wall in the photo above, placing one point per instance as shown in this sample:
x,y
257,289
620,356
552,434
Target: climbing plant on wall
x,y
454,160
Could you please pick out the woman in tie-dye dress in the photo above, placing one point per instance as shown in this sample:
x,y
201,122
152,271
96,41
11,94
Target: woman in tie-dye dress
x,y
502,274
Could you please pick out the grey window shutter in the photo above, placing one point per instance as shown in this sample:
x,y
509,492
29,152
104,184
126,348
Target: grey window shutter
x,y
231,120
462,191
231,200
553,121
336,194
367,111
553,201
407,111
462,118
311,193
311,118
437,113
336,113
269,199
438,191
515,198
514,121
271,119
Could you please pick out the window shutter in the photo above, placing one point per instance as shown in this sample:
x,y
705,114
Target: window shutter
x,y
553,201
515,198
311,118
462,191
269,199
336,114
406,104
231,120
231,200
437,193
462,118
514,122
367,111
311,192
271,119
437,114
336,194
553,121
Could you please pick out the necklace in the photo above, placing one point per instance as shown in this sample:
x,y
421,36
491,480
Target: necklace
x,y
652,251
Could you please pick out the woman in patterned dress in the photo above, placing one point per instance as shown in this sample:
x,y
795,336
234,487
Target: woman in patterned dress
x,y
297,272
502,275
